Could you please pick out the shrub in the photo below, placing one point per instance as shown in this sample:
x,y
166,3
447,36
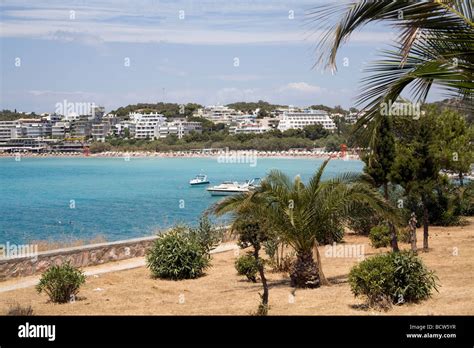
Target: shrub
x,y
361,226
280,259
177,255
17,309
380,236
363,220
287,262
449,218
393,278
444,206
466,204
246,265
206,235
61,283
404,235
331,234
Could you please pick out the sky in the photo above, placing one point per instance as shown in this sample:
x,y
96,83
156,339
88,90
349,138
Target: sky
x,y
212,52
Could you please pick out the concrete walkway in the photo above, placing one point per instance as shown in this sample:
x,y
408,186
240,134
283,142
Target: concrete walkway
x,y
26,282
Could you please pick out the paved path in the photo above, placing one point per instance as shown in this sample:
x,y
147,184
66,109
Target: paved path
x,y
26,282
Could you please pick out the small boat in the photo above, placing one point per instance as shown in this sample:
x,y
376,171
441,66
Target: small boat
x,y
200,179
228,188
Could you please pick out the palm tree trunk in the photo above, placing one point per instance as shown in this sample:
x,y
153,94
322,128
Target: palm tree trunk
x,y
413,240
305,273
393,232
322,277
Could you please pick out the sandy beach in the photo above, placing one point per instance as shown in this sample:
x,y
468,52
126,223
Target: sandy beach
x,y
188,154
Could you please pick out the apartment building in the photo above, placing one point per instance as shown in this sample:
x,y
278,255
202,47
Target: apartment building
x,y
352,117
100,131
301,119
146,124
218,113
9,130
248,128
60,130
178,128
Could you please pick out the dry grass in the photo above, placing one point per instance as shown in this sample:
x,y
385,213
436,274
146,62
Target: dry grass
x,y
17,309
221,291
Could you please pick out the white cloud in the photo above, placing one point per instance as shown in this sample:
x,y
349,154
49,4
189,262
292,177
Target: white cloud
x,y
83,38
206,22
301,87
37,93
228,95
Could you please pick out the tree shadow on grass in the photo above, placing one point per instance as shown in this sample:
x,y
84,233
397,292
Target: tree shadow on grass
x,y
282,283
360,307
340,279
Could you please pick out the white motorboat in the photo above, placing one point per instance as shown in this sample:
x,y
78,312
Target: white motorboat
x,y
200,179
228,188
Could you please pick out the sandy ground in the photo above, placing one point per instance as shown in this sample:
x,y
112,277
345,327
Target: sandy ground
x,y
222,292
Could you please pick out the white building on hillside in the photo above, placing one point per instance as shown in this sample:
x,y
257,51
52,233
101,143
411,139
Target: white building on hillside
x,y
301,119
60,129
145,124
100,131
178,128
352,117
248,128
279,112
218,113
9,130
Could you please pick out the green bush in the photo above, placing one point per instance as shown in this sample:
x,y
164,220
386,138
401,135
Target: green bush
x,y
206,234
331,234
393,278
404,235
61,283
246,265
363,220
361,225
444,206
176,255
466,204
380,236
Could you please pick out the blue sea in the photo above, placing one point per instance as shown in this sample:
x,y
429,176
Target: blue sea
x,y
81,198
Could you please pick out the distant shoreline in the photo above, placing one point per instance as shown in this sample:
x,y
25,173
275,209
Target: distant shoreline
x,y
184,154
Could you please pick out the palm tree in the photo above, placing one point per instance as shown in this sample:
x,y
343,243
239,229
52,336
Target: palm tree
x,y
435,46
302,214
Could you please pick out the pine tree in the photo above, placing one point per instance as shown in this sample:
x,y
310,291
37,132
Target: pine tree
x,y
379,163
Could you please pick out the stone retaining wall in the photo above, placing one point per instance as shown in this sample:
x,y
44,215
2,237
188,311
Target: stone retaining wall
x,y
87,255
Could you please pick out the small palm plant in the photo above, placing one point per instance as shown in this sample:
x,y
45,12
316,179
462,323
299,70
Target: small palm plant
x,y
302,213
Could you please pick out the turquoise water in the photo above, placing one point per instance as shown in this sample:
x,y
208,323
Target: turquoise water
x,y
60,198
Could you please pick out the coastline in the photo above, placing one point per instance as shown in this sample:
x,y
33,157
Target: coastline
x,y
186,154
